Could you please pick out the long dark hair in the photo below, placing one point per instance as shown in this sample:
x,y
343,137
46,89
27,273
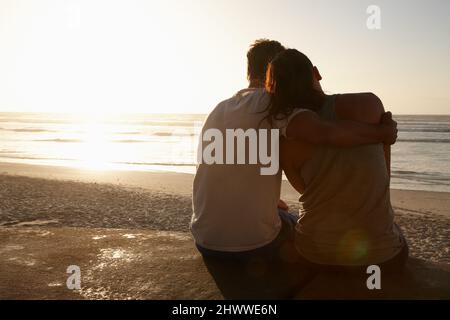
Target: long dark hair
x,y
289,81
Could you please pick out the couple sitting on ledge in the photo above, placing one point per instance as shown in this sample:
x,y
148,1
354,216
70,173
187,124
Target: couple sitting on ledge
x,y
334,150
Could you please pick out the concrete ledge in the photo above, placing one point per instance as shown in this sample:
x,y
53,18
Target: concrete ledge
x,y
421,280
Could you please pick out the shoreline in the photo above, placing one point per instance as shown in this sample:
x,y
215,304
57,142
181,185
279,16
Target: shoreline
x,y
107,175
176,182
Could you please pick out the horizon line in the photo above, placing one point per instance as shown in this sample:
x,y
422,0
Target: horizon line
x,y
169,113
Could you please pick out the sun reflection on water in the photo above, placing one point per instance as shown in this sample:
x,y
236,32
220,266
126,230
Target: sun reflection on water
x,y
96,150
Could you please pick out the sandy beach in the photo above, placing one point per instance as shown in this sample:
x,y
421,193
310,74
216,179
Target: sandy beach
x,y
85,207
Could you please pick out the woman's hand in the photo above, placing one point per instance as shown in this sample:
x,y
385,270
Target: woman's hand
x,y
391,128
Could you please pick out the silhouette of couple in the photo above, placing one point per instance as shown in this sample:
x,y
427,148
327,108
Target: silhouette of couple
x,y
334,150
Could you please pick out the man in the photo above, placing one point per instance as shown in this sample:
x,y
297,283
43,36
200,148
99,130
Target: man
x,y
245,240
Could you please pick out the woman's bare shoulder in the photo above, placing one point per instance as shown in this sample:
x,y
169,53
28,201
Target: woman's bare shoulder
x,y
363,107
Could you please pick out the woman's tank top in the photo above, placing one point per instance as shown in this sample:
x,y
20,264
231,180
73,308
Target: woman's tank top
x,y
346,216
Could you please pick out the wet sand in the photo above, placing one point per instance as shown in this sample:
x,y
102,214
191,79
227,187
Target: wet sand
x,y
114,264
135,226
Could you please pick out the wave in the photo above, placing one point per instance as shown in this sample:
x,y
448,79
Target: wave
x,y
81,140
34,121
12,156
130,133
139,122
169,134
422,177
157,164
431,140
128,141
60,140
404,172
32,130
434,130
417,180
167,164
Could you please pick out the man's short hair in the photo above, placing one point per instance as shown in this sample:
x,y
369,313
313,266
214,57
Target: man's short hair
x,y
259,55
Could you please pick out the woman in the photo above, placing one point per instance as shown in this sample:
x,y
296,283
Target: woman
x,y
346,220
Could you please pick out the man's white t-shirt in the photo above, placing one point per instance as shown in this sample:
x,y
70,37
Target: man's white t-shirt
x,y
235,206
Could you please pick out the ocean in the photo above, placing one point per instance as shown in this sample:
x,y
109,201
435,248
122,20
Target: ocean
x,y
420,158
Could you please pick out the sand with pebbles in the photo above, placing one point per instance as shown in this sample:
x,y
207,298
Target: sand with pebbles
x,y
26,201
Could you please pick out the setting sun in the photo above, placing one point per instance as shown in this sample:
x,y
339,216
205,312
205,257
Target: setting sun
x,y
113,56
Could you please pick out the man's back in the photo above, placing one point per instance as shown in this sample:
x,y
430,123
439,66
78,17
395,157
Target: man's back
x,y
235,206
346,213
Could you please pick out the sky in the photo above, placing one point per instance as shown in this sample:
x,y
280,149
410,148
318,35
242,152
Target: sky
x,y
185,56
